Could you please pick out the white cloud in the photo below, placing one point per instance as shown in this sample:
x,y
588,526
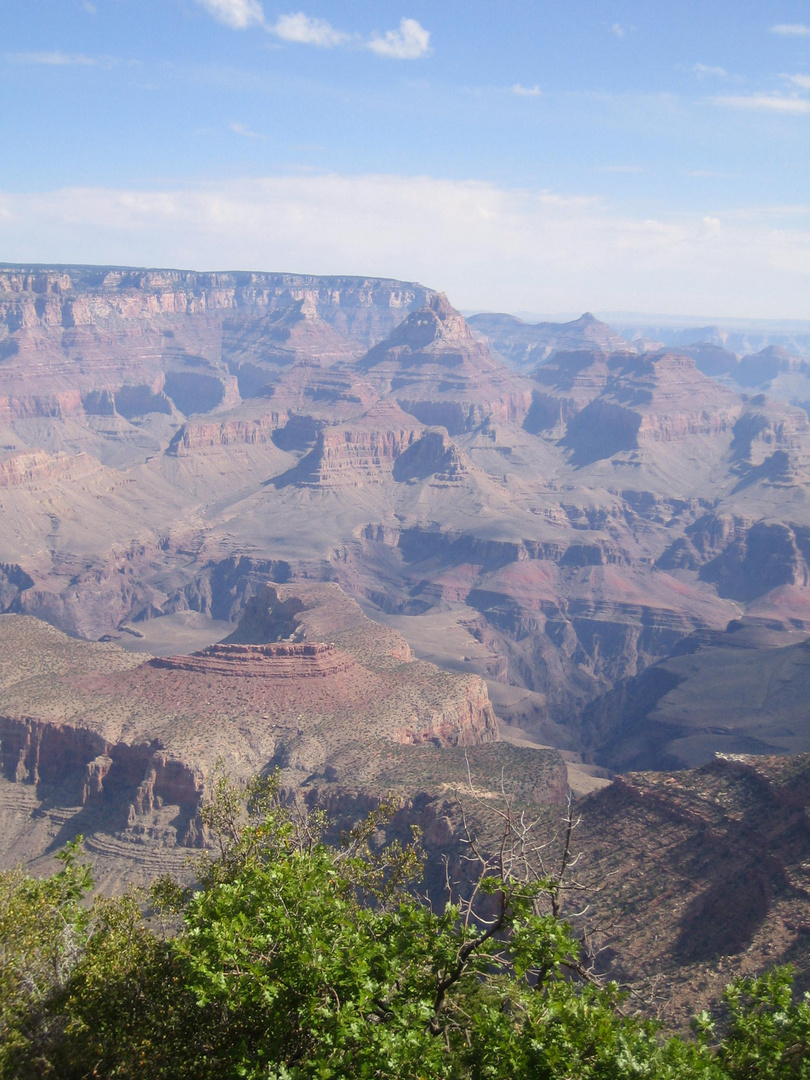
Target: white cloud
x,y
618,30
705,71
799,80
526,91
244,131
302,30
410,42
765,103
53,59
238,14
791,29
490,248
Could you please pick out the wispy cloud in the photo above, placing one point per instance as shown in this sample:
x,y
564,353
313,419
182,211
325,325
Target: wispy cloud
x,y
802,81
303,30
706,71
55,59
777,103
618,30
410,42
791,29
238,14
526,91
487,246
244,131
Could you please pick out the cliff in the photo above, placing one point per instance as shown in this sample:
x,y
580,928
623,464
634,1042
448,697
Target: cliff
x,y
363,309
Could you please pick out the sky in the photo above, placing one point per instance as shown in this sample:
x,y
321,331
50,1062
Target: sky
x,y
604,155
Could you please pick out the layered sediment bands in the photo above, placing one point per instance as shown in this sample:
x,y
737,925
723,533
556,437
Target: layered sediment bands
x,y
440,374
619,402
524,345
276,661
767,555
58,405
433,455
461,416
354,455
66,297
212,435
768,428
40,470
81,768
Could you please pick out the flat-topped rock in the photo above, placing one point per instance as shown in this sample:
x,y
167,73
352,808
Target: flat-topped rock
x,y
274,661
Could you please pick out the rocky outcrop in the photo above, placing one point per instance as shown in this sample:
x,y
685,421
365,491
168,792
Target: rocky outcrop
x,y
57,405
765,556
81,768
620,402
40,470
363,309
304,660
433,455
761,368
354,455
436,370
194,437
467,721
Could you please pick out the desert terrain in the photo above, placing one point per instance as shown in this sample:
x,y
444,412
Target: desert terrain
x,y
332,526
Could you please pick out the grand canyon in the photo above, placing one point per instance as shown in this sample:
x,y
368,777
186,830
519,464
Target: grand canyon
x,y
330,526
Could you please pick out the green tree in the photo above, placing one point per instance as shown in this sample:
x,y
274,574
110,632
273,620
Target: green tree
x,y
297,960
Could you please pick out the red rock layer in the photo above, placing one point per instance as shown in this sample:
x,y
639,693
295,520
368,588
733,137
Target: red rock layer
x,y
275,661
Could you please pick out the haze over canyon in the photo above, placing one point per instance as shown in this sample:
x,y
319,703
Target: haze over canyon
x,y
330,525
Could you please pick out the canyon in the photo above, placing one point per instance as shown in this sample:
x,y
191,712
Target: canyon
x,y
329,525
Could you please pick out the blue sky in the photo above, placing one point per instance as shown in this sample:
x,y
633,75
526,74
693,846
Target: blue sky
x,y
623,155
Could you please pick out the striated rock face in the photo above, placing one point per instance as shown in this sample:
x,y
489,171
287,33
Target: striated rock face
x,y
22,406
765,556
206,434
433,455
301,661
69,297
439,373
365,452
134,738
39,470
469,722
74,333
609,404
82,768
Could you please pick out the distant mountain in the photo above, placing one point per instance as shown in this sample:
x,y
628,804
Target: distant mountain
x,y
440,373
738,337
525,345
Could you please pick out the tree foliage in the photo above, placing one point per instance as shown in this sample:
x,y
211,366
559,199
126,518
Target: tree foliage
x,y
294,959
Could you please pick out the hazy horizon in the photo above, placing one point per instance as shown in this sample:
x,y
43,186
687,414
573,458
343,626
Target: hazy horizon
x,y
632,158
